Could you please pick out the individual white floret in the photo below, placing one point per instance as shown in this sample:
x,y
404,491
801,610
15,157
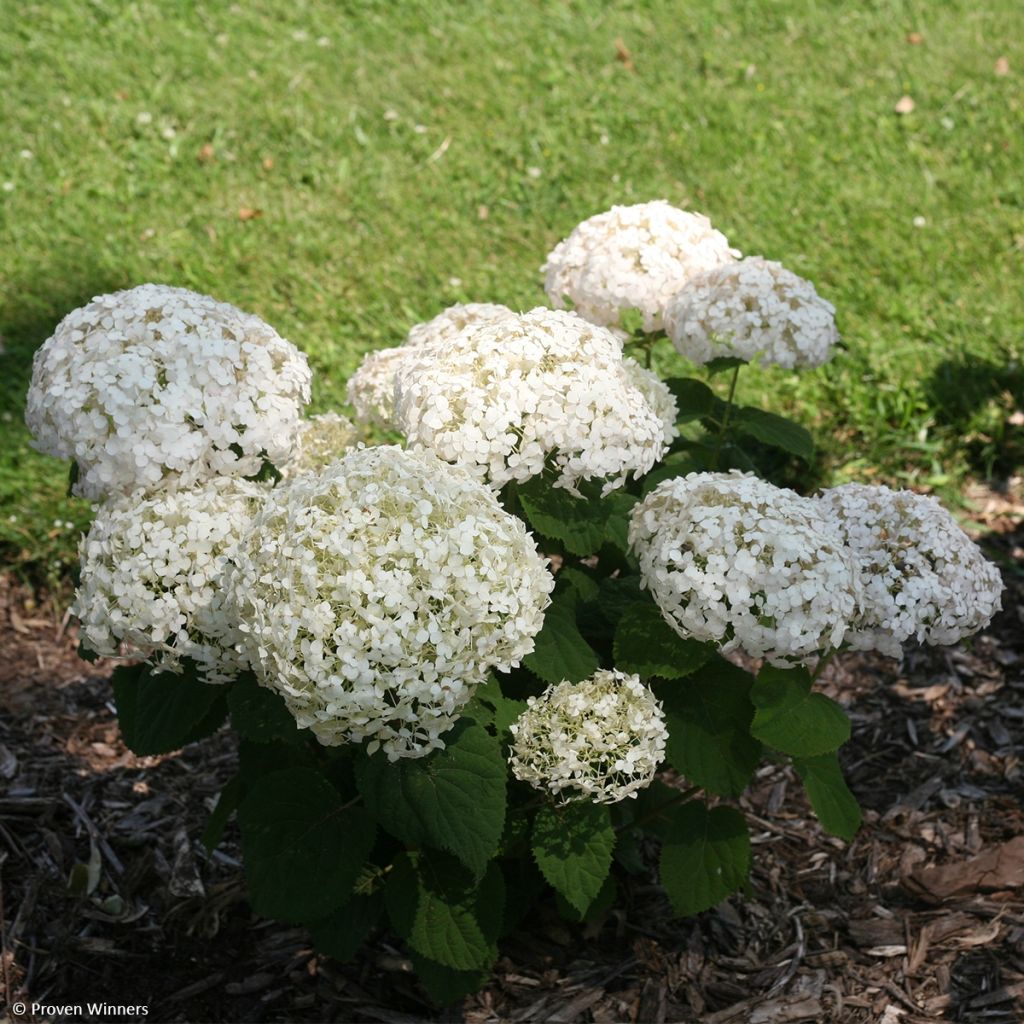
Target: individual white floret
x,y
152,575
321,440
754,310
371,389
535,391
159,385
632,257
376,595
731,559
599,740
923,577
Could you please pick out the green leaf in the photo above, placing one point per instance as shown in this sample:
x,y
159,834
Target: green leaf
x,y
708,720
573,847
647,645
579,523
676,464
836,807
791,718
259,714
443,985
342,933
161,712
631,321
585,587
303,848
560,652
86,653
602,903
442,915
722,364
775,431
227,803
258,759
616,529
453,799
694,398
705,856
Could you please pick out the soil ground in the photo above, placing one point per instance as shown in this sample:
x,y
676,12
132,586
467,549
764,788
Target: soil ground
x,y
921,918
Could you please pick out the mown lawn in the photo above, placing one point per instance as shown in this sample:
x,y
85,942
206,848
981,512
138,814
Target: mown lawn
x,y
346,169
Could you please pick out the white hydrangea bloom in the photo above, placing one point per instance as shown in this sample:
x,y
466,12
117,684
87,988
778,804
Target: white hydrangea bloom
x,y
752,310
923,577
159,384
599,740
376,595
544,389
321,440
632,257
152,575
371,389
731,559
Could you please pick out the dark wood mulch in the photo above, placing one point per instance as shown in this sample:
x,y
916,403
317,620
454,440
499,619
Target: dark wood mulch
x,y
921,918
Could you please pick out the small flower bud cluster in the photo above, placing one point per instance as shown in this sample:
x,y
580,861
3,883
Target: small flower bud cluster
x,y
152,575
159,385
371,389
535,391
376,595
754,310
731,559
632,257
321,440
922,576
599,740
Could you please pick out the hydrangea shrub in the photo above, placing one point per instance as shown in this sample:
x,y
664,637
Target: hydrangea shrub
x,y
474,671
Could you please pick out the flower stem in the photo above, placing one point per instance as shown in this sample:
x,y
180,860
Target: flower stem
x,y
823,662
724,425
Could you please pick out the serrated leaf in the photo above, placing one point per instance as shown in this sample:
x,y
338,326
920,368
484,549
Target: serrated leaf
x,y
342,933
560,652
647,645
161,712
616,529
585,587
601,904
442,915
791,718
705,857
573,848
227,803
708,718
303,848
453,799
775,431
443,985
579,523
836,807
693,397
259,714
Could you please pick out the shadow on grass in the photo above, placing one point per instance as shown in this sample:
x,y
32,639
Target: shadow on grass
x,y
30,318
980,404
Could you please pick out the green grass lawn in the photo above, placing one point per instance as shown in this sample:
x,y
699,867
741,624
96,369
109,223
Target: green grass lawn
x,y
404,156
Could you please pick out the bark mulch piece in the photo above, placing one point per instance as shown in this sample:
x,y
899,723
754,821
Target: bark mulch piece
x,y
106,893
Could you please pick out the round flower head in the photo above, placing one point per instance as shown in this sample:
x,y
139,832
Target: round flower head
x,y
321,440
736,561
535,391
600,740
152,575
752,310
632,257
375,596
371,389
160,384
923,577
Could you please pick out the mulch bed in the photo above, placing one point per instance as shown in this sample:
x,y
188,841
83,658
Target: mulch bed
x,y
921,918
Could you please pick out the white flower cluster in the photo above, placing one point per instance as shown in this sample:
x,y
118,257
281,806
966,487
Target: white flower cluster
x,y
376,595
159,384
731,559
599,740
321,440
632,257
755,309
923,577
544,389
152,575
371,389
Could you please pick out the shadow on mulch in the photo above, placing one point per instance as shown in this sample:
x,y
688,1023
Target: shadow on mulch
x,y
921,918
